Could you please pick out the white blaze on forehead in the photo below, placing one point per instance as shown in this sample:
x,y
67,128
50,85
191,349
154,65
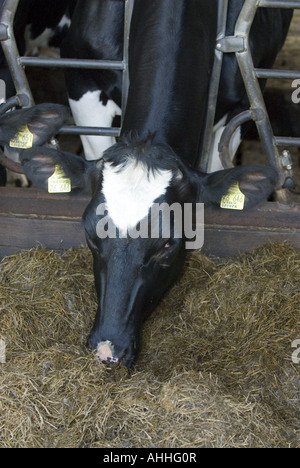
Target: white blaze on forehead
x,y
131,191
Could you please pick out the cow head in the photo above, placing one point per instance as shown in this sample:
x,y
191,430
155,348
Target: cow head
x,y
132,272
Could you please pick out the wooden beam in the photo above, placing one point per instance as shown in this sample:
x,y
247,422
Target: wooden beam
x,y
230,233
34,201
29,218
20,233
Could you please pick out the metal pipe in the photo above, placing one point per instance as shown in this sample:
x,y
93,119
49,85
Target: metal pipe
x,y
71,63
245,61
129,5
9,104
12,54
228,133
279,4
287,141
277,74
10,164
214,89
257,103
91,131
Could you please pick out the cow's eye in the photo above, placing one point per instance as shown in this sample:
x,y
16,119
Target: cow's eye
x,y
167,253
168,244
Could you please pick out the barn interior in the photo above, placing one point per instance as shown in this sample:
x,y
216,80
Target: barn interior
x,y
225,372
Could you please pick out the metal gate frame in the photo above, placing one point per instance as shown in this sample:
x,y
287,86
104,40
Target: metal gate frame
x,y
238,44
16,65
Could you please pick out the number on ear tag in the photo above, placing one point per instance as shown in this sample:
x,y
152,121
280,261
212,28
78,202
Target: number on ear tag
x,y
58,182
234,199
23,139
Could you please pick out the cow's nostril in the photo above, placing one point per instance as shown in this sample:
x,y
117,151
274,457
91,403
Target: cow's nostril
x,y
105,352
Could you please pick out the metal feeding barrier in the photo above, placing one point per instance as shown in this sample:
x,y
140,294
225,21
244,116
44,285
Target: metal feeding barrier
x,y
238,44
16,66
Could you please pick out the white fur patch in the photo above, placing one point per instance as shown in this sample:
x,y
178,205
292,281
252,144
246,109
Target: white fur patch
x,y
40,42
130,192
89,111
65,21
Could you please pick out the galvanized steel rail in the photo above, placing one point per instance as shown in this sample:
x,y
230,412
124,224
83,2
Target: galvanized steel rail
x,y
16,65
239,44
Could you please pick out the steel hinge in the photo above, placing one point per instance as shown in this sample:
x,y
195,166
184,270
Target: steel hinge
x,y
231,44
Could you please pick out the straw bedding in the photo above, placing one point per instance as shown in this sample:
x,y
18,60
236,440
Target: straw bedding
x,y
215,367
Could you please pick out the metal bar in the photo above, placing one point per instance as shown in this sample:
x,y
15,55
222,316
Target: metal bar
x,y
277,74
12,54
287,141
71,63
129,4
257,103
245,61
10,164
92,131
9,104
279,4
16,64
230,129
214,89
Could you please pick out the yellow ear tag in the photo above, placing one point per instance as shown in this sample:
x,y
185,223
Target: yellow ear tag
x,y
23,139
58,182
234,199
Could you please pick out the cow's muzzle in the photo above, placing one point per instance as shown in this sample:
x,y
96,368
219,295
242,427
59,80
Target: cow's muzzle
x,y
109,353
106,352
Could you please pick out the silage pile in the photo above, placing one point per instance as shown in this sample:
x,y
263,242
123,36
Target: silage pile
x,y
215,367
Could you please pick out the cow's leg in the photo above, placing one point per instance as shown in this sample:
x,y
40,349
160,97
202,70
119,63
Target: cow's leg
x,y
93,109
96,32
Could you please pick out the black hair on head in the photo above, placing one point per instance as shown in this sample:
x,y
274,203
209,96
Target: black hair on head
x,y
155,155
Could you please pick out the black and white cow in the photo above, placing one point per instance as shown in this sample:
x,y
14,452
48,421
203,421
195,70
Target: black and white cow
x,y
171,55
96,32
95,98
37,24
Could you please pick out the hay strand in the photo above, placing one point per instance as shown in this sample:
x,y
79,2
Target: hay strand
x,y
220,374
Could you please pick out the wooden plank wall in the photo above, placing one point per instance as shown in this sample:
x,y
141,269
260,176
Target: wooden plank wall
x,y
30,218
230,233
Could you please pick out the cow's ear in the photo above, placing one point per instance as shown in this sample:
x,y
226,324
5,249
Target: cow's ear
x,y
56,172
25,128
238,188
